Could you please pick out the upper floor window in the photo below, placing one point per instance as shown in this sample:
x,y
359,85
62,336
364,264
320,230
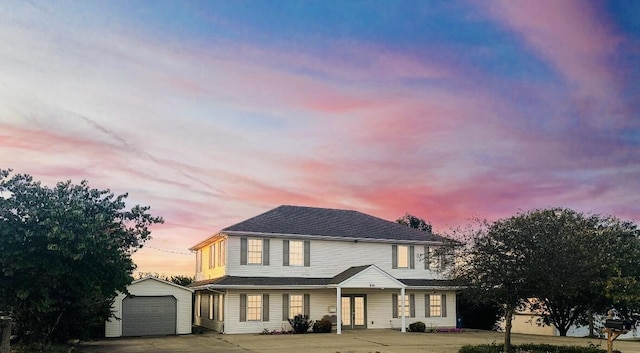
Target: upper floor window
x,y
212,256
222,253
199,260
402,256
296,253
254,251
434,258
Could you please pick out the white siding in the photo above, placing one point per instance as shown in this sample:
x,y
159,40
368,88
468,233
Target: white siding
x,y
324,254
378,303
370,278
153,287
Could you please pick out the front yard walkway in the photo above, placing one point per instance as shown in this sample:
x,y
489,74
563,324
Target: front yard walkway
x,y
364,341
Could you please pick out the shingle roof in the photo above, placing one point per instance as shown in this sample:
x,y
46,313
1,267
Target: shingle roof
x,y
428,282
298,220
348,273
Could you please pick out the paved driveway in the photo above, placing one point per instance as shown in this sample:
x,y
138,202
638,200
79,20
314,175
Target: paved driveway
x,y
365,341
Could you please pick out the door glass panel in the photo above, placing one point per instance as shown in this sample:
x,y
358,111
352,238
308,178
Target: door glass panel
x,y
358,311
346,311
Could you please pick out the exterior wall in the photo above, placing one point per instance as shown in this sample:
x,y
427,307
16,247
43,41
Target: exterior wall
x,y
152,287
203,319
379,309
525,323
323,260
218,270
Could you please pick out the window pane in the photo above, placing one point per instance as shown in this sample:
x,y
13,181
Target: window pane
x,y
296,253
212,256
254,307
434,258
403,256
254,251
407,309
435,305
295,305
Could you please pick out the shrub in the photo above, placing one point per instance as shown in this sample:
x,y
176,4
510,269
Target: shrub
x,y
532,348
417,326
300,323
322,326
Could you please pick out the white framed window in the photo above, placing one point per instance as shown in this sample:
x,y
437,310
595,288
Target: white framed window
x,y
199,305
403,256
221,253
296,305
254,251
212,256
211,306
296,253
199,260
407,304
435,305
435,258
220,310
254,307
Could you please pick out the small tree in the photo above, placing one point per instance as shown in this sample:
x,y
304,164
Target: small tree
x,y
494,264
414,222
65,251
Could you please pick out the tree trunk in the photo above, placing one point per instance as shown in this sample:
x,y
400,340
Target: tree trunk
x,y
591,326
508,317
562,330
5,340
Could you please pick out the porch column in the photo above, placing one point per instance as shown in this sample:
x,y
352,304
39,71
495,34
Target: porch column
x,y
338,310
404,319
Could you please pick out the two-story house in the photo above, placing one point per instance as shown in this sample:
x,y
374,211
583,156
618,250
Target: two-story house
x,y
361,271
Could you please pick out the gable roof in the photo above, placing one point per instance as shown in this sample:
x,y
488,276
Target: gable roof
x,y
152,278
371,273
328,222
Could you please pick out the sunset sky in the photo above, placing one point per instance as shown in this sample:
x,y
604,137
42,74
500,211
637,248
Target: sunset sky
x,y
215,111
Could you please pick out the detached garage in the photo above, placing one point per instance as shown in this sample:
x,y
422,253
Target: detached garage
x,y
153,307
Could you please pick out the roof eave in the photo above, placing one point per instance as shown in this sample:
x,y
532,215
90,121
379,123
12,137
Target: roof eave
x,y
253,286
207,241
337,238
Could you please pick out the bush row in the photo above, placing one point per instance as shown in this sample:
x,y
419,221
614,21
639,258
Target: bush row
x,y
532,348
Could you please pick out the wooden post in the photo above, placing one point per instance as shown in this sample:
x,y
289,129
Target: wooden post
x,y
611,336
5,340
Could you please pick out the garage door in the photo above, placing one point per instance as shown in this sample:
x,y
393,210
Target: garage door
x,y
147,316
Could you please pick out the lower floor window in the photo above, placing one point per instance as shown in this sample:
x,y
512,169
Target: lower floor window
x,y
254,307
295,305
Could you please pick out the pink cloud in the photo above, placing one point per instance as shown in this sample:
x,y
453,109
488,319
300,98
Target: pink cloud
x,y
576,40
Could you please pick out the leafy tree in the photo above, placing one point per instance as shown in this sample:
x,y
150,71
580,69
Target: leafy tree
x,y
569,264
65,251
579,257
478,314
178,279
494,265
414,222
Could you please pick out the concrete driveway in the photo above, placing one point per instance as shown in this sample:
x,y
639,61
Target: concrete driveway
x,y
364,341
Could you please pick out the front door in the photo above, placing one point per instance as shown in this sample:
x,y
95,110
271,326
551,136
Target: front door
x,y
354,311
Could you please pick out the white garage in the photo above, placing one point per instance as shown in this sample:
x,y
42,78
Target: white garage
x,y
152,307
